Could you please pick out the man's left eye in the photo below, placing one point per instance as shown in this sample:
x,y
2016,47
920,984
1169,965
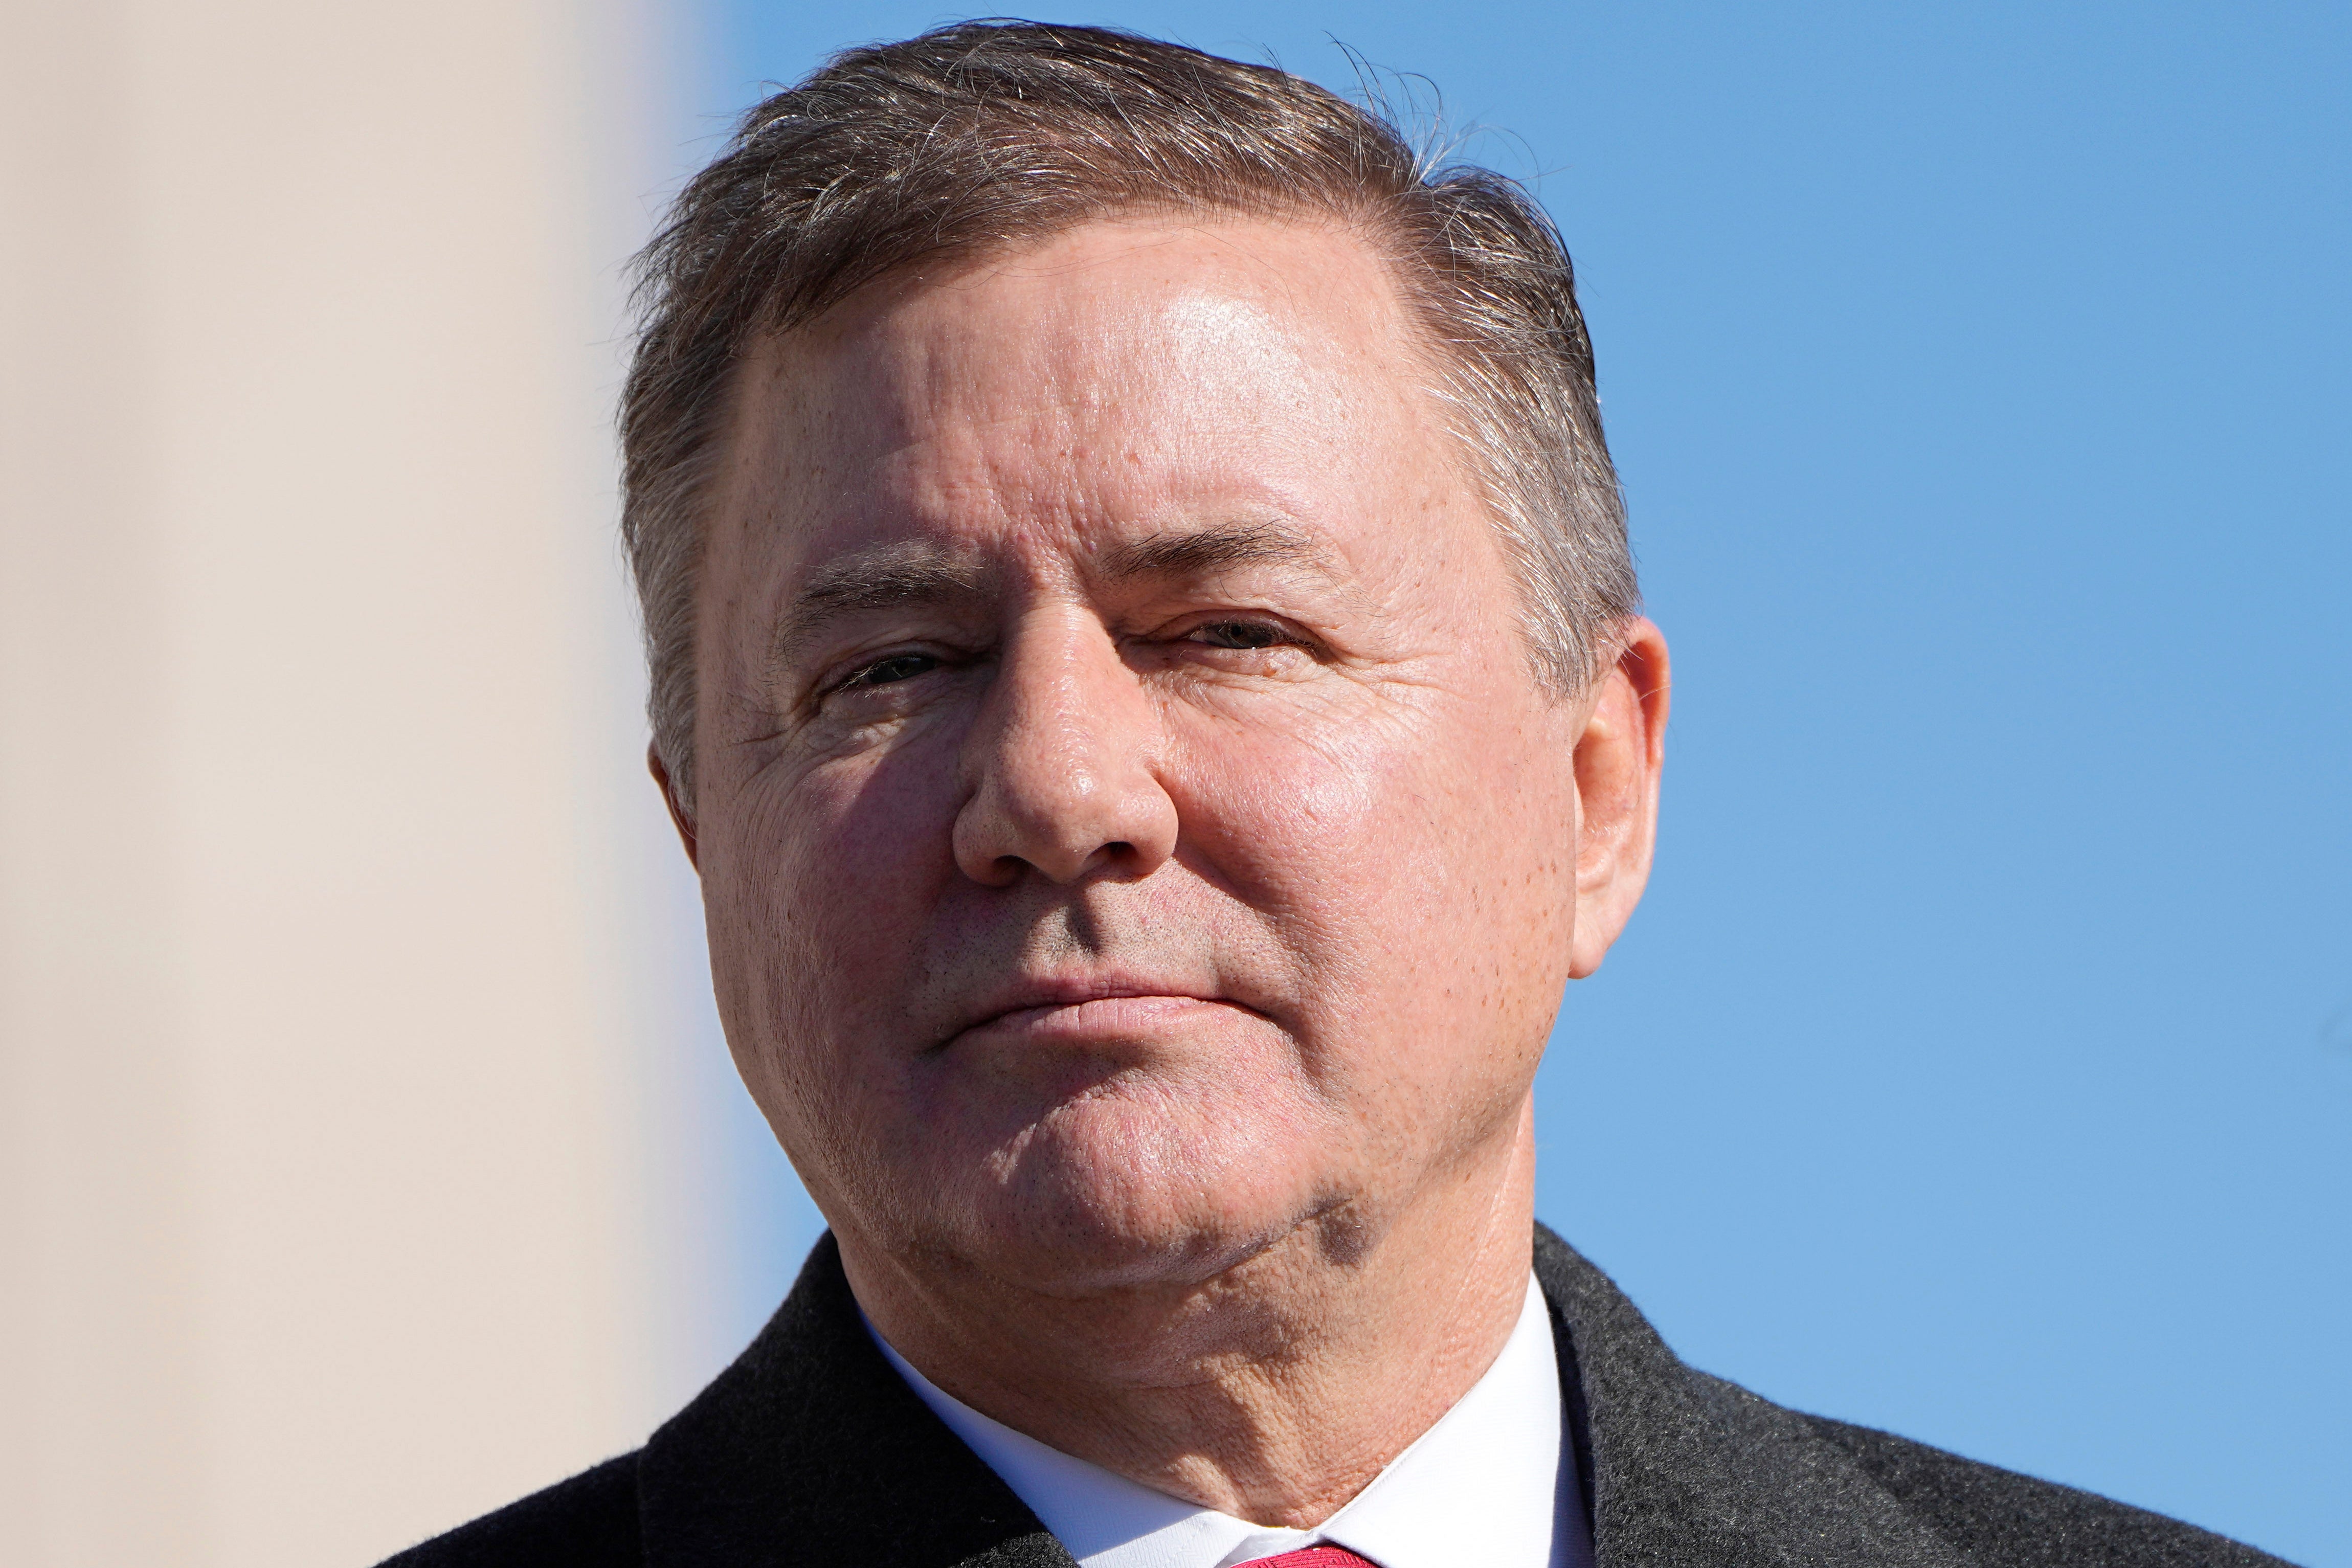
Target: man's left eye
x,y
1237,633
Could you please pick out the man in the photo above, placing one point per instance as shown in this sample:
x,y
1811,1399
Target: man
x,y
1146,663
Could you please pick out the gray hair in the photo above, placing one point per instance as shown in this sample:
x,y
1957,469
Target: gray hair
x,y
982,135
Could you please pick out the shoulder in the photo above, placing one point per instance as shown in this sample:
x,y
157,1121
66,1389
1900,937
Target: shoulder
x,y
1998,1517
588,1521
1684,1467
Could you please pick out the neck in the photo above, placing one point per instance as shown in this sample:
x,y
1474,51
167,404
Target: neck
x,y
1274,1390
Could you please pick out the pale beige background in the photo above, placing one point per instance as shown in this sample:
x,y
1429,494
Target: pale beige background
x,y
330,1192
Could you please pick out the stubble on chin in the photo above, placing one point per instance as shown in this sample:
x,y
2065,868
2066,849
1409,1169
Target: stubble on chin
x,y
1130,1183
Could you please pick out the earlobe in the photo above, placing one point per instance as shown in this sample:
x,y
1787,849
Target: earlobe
x,y
678,814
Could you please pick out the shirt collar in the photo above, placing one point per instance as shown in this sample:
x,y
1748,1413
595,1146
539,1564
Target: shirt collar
x,y
1486,1484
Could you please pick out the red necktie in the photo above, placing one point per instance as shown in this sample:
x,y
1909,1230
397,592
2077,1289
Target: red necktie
x,y
1324,1556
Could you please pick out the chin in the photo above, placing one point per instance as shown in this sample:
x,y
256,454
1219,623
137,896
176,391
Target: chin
x,y
1106,1193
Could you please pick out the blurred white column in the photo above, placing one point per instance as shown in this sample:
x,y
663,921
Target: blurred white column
x,y
325,1177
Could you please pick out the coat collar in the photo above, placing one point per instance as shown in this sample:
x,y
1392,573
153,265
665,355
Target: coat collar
x,y
810,1449
1686,1470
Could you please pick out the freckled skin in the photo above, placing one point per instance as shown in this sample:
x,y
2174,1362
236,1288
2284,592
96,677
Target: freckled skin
x,y
1242,1227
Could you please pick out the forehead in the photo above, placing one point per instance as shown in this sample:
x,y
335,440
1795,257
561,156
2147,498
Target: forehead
x,y
1122,379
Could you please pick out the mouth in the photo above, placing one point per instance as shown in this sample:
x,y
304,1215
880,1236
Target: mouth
x,y
1080,1012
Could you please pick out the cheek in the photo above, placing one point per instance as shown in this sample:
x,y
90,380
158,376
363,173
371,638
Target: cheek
x,y
1386,812
1415,866
1336,833
824,880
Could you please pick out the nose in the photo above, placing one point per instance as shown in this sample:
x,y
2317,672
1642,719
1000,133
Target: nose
x,y
1061,763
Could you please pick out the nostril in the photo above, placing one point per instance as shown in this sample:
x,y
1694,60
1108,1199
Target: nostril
x,y
1121,848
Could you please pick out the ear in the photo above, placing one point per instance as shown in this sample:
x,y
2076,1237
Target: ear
x,y
1619,755
678,814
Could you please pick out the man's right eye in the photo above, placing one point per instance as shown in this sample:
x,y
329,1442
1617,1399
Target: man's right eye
x,y
888,672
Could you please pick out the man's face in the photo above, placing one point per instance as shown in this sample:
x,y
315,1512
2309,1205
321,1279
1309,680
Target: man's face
x,y
1130,828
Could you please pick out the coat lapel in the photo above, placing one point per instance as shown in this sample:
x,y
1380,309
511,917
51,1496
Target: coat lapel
x,y
810,1449
1688,1472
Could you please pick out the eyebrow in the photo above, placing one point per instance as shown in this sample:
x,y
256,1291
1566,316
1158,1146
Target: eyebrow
x,y
899,574
921,574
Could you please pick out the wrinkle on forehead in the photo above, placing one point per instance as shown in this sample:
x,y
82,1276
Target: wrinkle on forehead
x,y
1209,320
1038,394
1119,377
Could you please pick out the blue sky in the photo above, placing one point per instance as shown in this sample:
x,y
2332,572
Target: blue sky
x,y
1980,1063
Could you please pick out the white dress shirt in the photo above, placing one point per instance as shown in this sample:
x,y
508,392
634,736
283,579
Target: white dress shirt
x,y
1491,1485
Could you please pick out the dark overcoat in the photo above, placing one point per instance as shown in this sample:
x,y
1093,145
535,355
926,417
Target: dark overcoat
x,y
810,1450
